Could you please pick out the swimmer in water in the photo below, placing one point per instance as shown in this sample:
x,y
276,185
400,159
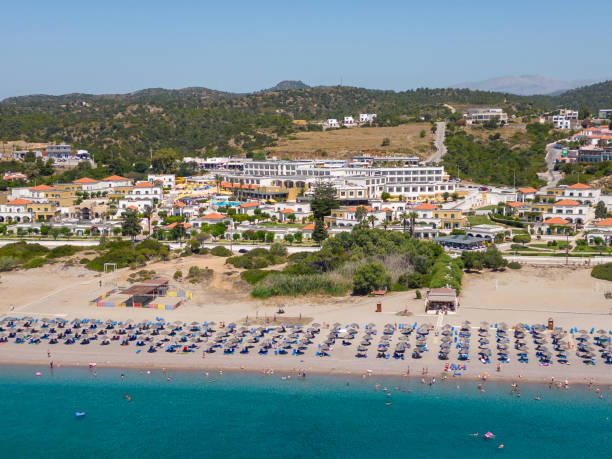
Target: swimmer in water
x,y
122,376
501,446
538,397
127,397
474,434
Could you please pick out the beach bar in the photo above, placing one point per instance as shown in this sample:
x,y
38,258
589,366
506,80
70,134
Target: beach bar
x,y
442,300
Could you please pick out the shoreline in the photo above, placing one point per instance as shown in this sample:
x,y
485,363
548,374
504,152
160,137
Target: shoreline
x,y
283,370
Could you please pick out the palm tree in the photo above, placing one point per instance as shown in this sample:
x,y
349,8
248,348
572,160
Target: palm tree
x,y
413,216
218,180
404,218
372,220
147,213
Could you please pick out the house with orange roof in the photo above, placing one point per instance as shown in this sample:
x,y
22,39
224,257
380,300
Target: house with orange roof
x,y
573,211
167,180
248,208
145,190
16,210
90,185
526,193
601,229
582,193
347,217
209,219
114,181
424,211
175,224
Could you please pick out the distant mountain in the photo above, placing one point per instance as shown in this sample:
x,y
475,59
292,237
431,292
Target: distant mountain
x,y
288,85
524,85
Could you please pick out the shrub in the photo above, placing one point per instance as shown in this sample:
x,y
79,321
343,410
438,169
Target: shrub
x,y
447,271
281,284
417,295
221,251
603,271
253,276
522,238
178,274
413,280
514,265
22,252
84,261
63,251
370,277
34,263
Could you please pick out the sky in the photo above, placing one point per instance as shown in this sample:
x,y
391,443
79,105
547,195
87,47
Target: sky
x,y
59,47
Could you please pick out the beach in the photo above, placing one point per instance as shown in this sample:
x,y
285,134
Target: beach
x,y
532,295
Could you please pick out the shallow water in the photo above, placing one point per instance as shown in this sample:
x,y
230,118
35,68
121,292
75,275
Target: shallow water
x,y
252,415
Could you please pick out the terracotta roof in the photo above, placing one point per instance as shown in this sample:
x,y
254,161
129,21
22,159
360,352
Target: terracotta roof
x,y
515,204
179,204
354,209
18,202
556,221
567,202
114,178
425,206
604,222
144,185
286,211
579,186
249,204
527,189
175,224
310,226
85,180
42,188
214,216
132,207
386,209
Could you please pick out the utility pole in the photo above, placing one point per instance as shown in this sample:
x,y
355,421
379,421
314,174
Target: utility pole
x,y
566,246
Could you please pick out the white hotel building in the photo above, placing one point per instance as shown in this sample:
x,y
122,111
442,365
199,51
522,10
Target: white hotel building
x,y
353,183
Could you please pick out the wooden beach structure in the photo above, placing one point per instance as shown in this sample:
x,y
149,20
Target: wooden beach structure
x,y
441,300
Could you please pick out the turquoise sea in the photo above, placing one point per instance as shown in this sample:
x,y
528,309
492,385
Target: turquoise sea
x,y
238,415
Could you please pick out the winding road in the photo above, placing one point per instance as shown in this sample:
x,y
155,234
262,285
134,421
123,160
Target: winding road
x,y
439,143
551,176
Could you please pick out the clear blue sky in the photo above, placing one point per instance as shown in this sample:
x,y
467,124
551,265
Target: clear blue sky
x,y
57,47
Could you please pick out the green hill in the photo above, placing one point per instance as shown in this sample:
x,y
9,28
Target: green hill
x,y
126,127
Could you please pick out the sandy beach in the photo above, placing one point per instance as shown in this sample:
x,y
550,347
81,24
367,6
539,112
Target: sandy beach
x,y
531,295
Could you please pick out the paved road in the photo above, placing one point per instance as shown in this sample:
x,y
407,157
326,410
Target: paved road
x,y
439,143
551,176
558,260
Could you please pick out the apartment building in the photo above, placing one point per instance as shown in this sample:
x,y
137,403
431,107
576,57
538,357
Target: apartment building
x,y
484,114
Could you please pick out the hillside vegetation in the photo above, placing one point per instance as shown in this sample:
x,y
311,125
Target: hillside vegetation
x,y
127,127
496,160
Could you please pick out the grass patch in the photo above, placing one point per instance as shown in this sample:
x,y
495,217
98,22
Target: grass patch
x,y
474,220
603,271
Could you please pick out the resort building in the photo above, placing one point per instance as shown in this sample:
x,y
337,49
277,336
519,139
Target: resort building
x,y
570,210
485,232
482,115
